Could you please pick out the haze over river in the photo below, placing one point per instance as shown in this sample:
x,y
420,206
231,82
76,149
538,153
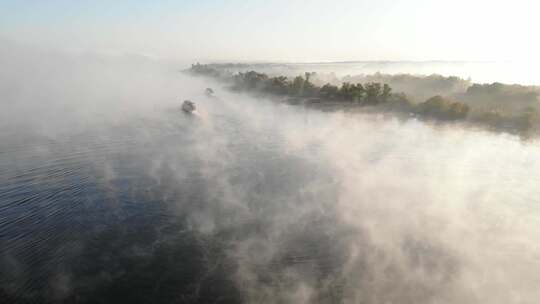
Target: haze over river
x,y
110,193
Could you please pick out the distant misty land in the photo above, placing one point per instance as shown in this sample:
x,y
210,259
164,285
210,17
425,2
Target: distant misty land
x,y
499,96
507,72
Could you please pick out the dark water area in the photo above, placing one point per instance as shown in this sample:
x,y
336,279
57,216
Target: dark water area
x,y
251,201
129,214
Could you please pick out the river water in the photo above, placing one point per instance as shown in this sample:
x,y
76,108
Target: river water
x,y
109,193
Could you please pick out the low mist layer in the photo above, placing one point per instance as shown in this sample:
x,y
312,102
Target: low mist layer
x,y
109,193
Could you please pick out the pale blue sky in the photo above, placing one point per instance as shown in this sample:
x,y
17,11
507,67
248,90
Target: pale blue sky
x,y
282,30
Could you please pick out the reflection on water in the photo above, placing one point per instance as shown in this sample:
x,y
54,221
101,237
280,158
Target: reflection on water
x,y
249,201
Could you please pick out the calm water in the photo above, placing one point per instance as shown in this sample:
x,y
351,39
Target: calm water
x,y
256,202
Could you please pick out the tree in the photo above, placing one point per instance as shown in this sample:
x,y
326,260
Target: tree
x,y
441,108
528,120
358,92
386,92
278,85
399,102
329,91
251,80
297,86
345,91
309,88
373,91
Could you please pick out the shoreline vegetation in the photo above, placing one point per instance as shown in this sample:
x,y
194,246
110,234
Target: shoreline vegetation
x,y
497,107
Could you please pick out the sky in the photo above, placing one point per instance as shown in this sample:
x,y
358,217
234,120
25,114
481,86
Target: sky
x,y
281,30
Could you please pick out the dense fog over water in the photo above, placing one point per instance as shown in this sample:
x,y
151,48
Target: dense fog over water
x,y
109,193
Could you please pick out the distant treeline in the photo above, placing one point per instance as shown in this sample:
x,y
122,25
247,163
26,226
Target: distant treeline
x,y
416,87
512,109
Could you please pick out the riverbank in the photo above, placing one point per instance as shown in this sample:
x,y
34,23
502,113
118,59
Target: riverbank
x,y
509,109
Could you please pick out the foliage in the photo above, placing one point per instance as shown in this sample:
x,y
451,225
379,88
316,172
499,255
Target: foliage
x,y
415,86
381,96
510,98
330,92
205,70
440,108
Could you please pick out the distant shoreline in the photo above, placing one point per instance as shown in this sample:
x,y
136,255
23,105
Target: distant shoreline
x,y
496,107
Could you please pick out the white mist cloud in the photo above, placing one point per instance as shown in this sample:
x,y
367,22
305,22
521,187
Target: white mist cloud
x,y
307,206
